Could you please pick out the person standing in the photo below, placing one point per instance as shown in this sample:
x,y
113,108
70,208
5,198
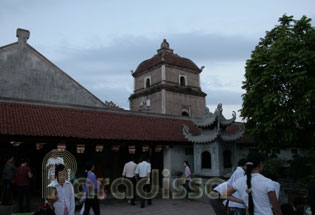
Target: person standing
x,y
187,175
257,192
130,173
51,164
64,204
237,208
23,176
8,174
91,189
143,171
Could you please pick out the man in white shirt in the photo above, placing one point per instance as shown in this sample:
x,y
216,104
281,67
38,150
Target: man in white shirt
x,y
143,170
130,172
239,209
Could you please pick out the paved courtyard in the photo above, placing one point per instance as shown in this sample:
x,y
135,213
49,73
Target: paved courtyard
x,y
159,207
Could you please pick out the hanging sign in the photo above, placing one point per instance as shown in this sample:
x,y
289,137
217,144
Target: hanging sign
x,y
99,148
39,145
145,148
61,147
14,143
115,148
158,148
132,149
80,148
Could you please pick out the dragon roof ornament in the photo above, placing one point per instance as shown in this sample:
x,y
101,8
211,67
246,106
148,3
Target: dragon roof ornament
x,y
215,126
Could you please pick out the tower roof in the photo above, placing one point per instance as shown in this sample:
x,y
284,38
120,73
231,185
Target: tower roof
x,y
165,55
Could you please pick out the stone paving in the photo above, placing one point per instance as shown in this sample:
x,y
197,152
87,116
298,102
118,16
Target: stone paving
x,y
159,207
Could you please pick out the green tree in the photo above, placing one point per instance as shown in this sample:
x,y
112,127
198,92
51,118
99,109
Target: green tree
x,y
279,102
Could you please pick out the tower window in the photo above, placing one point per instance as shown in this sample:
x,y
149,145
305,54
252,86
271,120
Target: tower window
x,y
182,81
147,82
206,160
185,111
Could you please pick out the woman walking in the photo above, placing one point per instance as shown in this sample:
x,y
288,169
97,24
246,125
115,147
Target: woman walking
x,y
91,189
187,177
258,193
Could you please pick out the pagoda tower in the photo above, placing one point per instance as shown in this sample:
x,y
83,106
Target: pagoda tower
x,y
168,84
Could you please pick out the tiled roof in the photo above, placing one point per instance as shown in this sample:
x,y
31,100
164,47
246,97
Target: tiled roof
x,y
43,121
170,59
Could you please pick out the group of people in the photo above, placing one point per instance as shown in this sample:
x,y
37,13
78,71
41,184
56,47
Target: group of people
x,y
247,191
135,172
251,193
19,178
61,199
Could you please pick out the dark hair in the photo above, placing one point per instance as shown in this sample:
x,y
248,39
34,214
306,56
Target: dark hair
x,y
23,160
241,162
88,166
11,156
144,157
131,158
58,168
253,161
187,163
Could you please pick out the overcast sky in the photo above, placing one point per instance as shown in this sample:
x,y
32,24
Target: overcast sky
x,y
98,42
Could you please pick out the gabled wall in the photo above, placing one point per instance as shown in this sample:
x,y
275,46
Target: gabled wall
x,y
26,74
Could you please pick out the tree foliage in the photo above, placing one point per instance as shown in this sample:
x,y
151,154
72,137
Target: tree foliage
x,y
279,102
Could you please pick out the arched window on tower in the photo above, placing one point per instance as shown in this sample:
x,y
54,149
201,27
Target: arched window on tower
x,y
227,162
185,111
206,160
147,83
182,81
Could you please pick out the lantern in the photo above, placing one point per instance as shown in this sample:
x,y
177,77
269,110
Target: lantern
x,y
158,148
99,148
132,149
61,147
80,148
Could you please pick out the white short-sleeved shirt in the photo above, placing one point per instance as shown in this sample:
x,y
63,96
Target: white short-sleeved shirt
x,y
129,169
277,187
65,198
261,186
143,169
237,174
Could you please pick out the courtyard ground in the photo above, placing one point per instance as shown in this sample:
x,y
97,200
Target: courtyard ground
x,y
121,207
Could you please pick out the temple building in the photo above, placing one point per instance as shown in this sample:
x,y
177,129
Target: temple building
x,y
42,108
168,84
215,149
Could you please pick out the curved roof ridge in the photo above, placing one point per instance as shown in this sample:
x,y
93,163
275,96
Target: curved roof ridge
x,y
206,136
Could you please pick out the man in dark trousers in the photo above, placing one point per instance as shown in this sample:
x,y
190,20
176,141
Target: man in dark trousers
x,y
8,174
143,171
129,173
